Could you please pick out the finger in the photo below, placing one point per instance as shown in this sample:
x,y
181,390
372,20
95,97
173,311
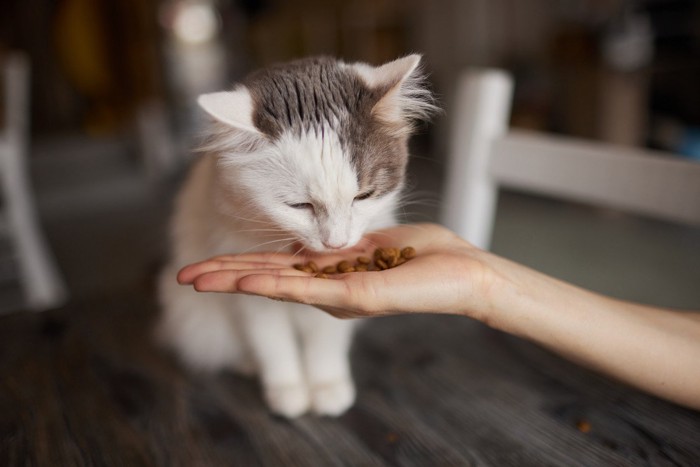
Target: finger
x,y
228,280
261,257
333,292
187,274
287,259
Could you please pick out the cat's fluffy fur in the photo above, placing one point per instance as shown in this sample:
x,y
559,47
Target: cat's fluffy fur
x,y
289,151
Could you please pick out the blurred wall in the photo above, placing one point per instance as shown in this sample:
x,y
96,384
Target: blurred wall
x,y
617,70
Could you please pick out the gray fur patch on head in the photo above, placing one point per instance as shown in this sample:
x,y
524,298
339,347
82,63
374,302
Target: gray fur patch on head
x,y
305,95
312,94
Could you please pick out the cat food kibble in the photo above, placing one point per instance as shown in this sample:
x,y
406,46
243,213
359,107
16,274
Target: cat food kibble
x,y
384,258
345,266
408,252
381,264
303,267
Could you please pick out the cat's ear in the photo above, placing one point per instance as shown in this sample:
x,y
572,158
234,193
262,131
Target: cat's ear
x,y
405,97
234,108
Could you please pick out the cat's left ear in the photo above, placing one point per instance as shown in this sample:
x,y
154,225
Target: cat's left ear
x,y
405,97
235,108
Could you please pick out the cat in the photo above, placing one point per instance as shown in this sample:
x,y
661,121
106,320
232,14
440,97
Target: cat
x,y
312,151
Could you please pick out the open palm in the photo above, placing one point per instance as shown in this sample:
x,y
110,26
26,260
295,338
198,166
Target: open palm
x,y
446,276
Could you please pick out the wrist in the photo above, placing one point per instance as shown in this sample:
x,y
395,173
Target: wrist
x,y
513,296
535,306
487,287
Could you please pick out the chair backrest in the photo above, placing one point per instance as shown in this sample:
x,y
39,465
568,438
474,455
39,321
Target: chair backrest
x,y
485,156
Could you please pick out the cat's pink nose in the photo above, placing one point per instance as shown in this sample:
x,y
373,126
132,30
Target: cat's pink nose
x,y
335,244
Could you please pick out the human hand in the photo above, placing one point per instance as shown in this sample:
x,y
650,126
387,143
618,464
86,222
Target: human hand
x,y
448,275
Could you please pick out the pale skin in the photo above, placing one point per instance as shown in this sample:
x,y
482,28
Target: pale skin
x,y
654,349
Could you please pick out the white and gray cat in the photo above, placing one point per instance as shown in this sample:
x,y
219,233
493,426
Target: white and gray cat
x,y
313,151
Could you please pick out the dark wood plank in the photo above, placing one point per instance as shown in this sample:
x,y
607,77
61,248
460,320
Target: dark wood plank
x,y
85,385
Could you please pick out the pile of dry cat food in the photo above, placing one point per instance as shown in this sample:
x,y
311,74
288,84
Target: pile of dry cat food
x,y
384,258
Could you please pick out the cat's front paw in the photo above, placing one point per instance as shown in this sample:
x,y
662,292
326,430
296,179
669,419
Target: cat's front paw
x,y
290,400
333,398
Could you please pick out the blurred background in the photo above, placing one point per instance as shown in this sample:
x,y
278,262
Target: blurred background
x,y
113,118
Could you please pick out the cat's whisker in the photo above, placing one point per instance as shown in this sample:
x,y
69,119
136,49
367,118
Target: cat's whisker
x,y
425,202
303,248
373,243
412,212
271,237
286,245
241,218
420,199
262,230
247,250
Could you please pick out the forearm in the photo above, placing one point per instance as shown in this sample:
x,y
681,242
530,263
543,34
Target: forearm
x,y
653,349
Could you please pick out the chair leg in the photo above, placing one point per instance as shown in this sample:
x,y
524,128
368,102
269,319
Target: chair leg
x,y
42,284
41,281
482,112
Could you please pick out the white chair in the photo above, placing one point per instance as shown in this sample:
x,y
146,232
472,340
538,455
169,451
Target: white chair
x,y
41,282
486,155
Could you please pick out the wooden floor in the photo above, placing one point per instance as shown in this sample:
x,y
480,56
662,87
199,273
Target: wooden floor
x,y
85,386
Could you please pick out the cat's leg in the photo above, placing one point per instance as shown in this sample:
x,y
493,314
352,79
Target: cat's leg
x,y
200,328
326,346
270,333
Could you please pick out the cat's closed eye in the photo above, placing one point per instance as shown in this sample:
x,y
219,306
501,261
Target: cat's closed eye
x,y
301,205
364,195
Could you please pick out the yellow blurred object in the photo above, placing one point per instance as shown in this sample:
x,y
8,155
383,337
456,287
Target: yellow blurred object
x,y
81,46
109,52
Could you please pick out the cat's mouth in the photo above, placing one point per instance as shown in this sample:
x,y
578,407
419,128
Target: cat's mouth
x,y
318,247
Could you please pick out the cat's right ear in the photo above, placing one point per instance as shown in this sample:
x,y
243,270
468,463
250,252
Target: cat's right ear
x,y
234,108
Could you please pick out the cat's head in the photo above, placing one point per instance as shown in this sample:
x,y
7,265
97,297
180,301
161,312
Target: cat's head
x,y
318,146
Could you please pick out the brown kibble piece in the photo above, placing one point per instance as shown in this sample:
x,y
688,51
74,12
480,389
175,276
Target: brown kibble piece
x,y
308,267
583,426
384,258
408,252
386,255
